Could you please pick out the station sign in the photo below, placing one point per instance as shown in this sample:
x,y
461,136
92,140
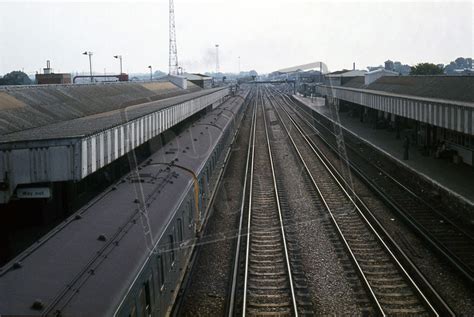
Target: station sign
x,y
34,192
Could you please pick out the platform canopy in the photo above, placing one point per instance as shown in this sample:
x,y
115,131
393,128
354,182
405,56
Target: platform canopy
x,y
305,67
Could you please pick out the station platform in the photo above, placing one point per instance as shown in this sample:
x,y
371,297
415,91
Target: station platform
x,y
457,179
62,133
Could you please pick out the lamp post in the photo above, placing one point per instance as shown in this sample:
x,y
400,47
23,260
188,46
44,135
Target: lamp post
x,y
120,58
151,73
90,61
217,59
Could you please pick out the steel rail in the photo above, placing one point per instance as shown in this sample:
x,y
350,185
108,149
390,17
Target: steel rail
x,y
405,188
247,248
242,207
425,233
421,295
247,258
282,228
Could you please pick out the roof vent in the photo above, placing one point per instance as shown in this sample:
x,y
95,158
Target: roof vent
x,y
17,265
77,217
37,305
102,237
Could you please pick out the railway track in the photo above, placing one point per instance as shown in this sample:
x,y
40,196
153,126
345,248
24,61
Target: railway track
x,y
391,286
262,260
447,238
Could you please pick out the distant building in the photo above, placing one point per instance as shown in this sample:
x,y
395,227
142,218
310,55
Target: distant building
x,y
372,68
48,77
370,77
389,65
402,69
340,77
460,66
201,80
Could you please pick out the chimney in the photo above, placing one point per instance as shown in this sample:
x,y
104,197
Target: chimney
x,y
47,70
354,66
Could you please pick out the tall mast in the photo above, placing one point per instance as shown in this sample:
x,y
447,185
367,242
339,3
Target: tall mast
x,y
173,58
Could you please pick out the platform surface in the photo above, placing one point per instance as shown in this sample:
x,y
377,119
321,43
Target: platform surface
x,y
456,178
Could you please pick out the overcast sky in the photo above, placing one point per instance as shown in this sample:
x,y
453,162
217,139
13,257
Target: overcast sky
x,y
268,35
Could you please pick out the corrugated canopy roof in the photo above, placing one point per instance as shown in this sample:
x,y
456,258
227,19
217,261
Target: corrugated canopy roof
x,y
457,88
305,67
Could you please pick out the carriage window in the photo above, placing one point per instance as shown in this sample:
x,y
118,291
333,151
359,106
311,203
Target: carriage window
x,y
180,230
190,215
142,302
133,311
161,271
147,298
171,243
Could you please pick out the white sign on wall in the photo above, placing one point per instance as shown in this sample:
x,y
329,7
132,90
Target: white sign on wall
x,y
34,192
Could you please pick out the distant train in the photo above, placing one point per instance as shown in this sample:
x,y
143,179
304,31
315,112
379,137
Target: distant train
x,y
126,252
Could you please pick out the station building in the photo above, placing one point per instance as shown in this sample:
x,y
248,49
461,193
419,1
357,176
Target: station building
x,y
49,77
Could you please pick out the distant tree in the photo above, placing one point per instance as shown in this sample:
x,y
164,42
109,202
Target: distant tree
x,y
158,74
15,78
426,69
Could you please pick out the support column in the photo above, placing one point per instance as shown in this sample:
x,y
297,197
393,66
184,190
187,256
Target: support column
x,y
397,126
